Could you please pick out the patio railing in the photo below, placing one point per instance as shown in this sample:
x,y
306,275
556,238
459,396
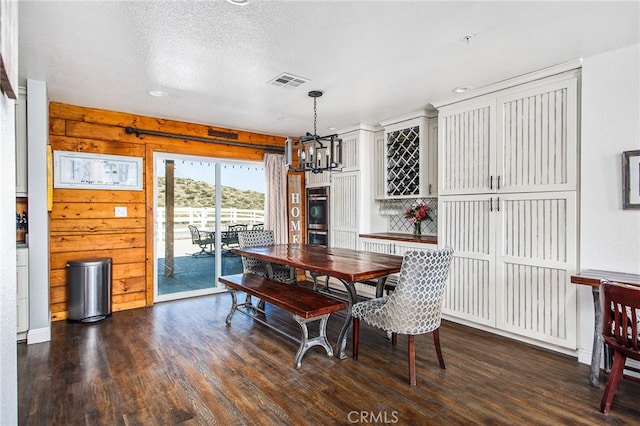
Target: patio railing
x,y
205,219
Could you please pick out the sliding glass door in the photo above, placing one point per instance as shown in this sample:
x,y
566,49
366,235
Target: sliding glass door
x,y
192,223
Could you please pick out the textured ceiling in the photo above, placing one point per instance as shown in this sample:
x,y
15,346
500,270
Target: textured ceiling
x,y
374,60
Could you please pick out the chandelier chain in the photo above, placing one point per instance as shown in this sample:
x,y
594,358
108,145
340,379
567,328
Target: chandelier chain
x,y
315,116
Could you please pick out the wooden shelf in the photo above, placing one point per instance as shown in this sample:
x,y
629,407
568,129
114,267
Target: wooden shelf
x,y
425,239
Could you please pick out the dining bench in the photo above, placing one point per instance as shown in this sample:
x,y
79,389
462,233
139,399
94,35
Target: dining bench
x,y
304,304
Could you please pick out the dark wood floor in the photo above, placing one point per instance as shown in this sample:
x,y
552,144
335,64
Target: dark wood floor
x,y
178,363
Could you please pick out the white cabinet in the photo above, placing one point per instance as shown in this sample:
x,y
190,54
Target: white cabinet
x,y
386,246
344,210
22,291
516,140
431,173
513,258
396,247
406,158
379,165
21,143
507,205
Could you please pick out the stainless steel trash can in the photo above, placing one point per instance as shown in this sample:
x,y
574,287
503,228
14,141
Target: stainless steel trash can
x,y
89,289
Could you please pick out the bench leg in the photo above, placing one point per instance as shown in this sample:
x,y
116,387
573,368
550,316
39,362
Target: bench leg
x,y
306,343
234,305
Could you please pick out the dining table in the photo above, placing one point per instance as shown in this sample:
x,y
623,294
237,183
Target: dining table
x,y
346,265
593,278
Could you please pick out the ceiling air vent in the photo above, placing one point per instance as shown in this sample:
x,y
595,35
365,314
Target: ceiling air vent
x,y
221,134
288,80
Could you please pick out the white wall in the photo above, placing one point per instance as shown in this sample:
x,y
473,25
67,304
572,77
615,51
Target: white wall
x,y
8,318
610,236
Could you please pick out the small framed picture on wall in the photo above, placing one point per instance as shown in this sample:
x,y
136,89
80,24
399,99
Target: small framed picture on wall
x,y
631,179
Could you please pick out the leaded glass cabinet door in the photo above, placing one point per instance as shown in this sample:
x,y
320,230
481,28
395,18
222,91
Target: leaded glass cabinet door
x,y
405,158
403,162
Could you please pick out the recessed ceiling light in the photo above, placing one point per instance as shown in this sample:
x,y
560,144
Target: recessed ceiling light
x,y
462,89
239,2
158,93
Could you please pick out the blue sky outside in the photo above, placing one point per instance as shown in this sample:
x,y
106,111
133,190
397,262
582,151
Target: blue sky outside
x,y
245,176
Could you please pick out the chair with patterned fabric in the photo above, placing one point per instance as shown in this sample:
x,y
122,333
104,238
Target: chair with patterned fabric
x,y
414,307
255,266
620,305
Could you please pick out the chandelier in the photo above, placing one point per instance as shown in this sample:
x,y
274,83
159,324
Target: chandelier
x,y
315,153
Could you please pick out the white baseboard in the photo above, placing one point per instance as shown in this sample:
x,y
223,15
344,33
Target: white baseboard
x,y
584,356
38,335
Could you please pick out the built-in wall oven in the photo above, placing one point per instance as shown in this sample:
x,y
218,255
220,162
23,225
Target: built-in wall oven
x,y
318,216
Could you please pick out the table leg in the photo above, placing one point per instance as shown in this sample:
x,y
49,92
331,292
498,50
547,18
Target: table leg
x,y
234,306
342,338
596,352
380,286
306,343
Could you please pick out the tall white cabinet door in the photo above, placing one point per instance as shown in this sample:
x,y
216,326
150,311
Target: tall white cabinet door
x,y
350,151
344,210
379,146
466,224
535,257
466,147
432,158
21,143
538,137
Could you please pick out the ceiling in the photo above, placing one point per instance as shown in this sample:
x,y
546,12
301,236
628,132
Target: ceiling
x,y
374,60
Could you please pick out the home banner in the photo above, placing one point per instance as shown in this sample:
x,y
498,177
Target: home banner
x,y
295,208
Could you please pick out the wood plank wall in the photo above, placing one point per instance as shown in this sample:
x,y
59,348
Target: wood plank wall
x,y
83,224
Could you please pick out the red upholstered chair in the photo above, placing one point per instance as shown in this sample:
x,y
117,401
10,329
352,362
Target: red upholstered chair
x,y
620,316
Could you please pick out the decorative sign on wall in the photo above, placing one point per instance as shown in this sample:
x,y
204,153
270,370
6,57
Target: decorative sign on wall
x,y
631,179
96,171
295,209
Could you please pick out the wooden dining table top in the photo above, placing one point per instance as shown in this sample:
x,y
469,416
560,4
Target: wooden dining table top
x,y
345,264
593,277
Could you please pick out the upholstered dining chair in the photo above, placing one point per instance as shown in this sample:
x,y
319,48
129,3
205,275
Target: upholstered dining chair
x,y
620,305
415,305
256,266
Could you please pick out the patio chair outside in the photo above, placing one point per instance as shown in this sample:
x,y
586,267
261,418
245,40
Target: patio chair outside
x,y
202,240
230,236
